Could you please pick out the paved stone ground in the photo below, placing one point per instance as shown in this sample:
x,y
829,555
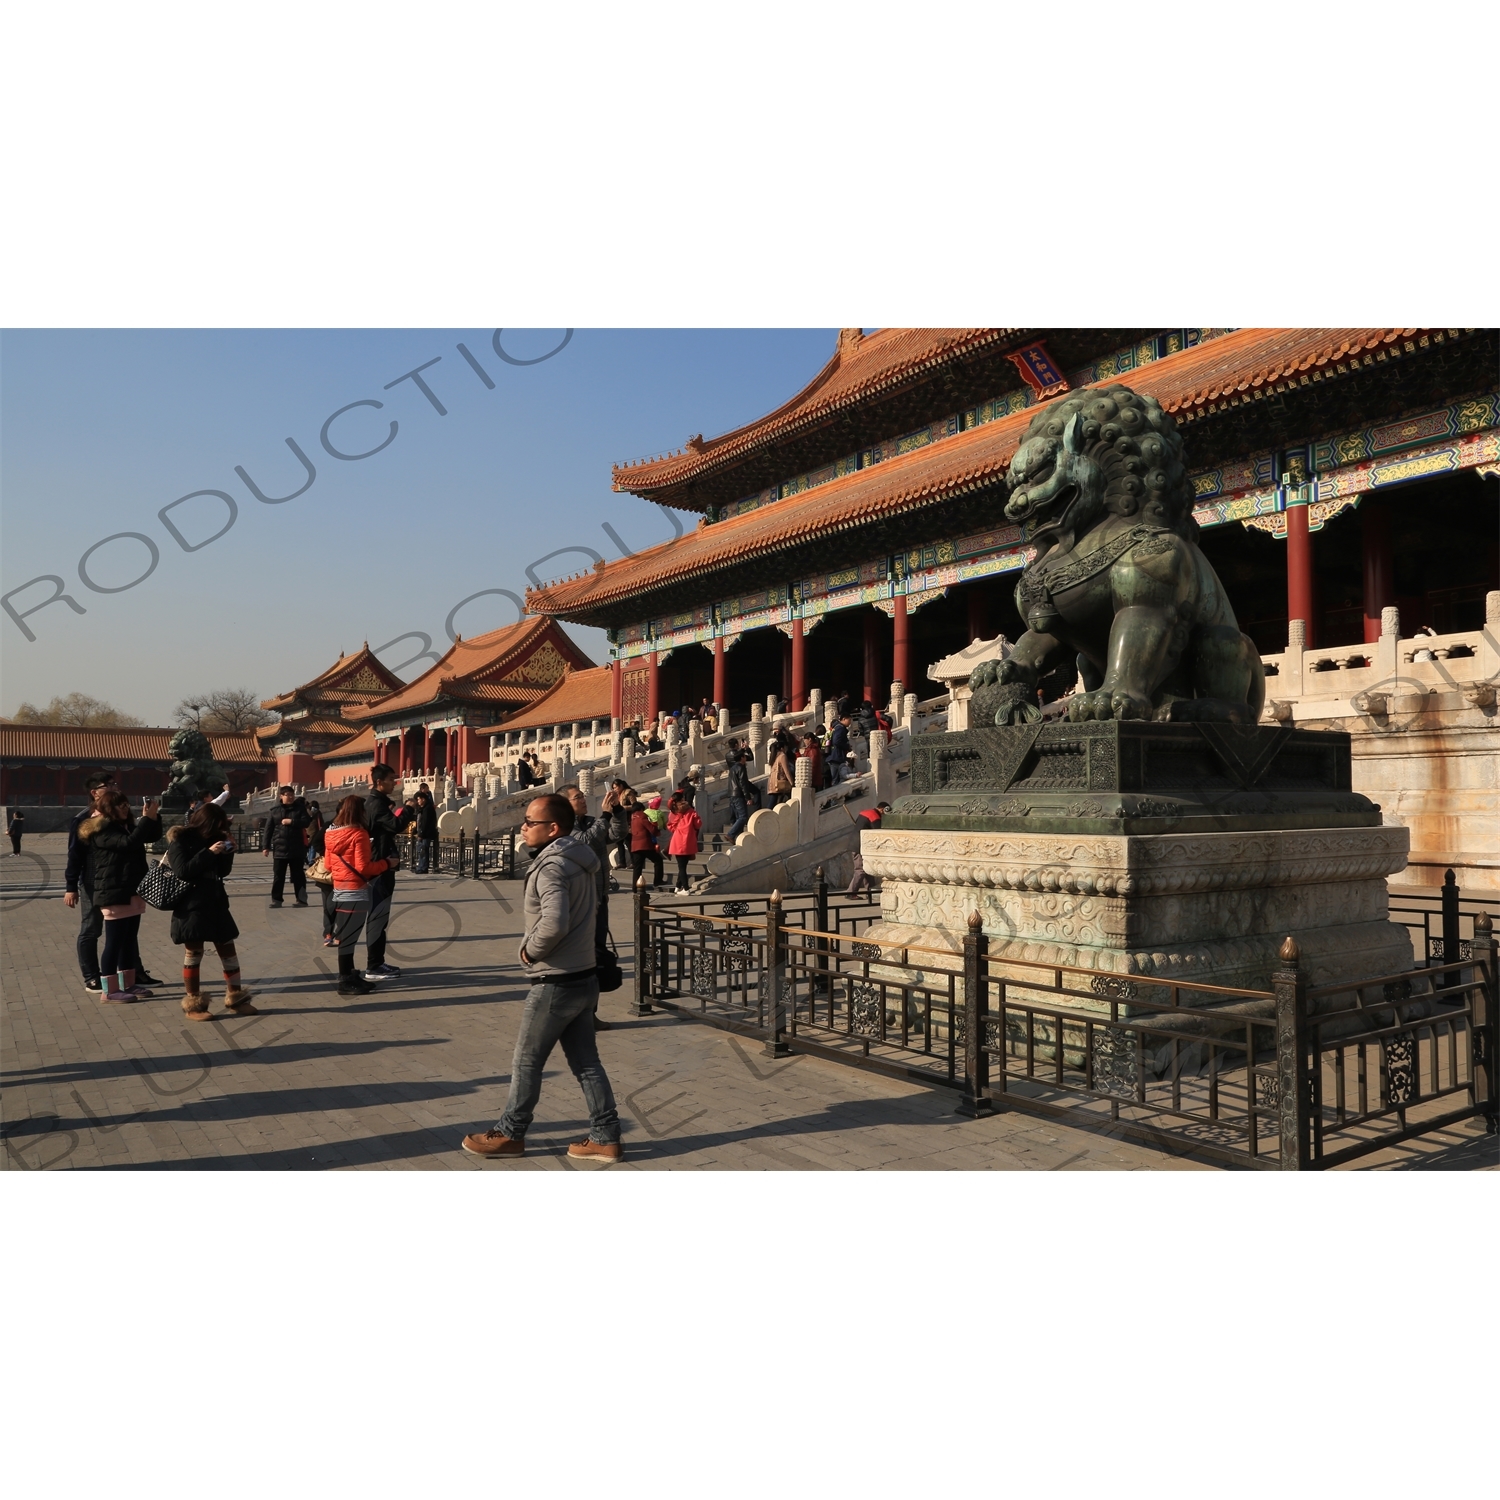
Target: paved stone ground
x,y
395,1079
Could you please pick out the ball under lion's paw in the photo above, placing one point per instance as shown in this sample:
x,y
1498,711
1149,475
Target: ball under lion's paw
x,y
1108,703
1004,703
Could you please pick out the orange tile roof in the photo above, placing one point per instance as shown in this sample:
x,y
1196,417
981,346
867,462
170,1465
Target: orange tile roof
x,y
357,678
53,742
578,696
475,670
271,734
361,744
860,368
1231,369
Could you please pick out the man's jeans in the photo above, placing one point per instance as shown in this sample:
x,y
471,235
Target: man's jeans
x,y
424,856
90,930
382,890
560,1013
279,867
739,811
841,771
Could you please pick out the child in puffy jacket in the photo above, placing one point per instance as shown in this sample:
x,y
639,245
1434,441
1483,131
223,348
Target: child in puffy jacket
x,y
348,855
643,845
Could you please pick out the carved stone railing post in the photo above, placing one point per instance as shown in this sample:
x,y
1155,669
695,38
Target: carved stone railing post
x,y
1291,663
880,765
644,958
1486,1023
976,1102
805,798
1294,1107
776,1042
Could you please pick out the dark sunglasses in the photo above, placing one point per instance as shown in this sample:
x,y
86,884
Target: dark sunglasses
x,y
538,823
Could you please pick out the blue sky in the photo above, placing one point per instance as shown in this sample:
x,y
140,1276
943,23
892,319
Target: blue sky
x,y
101,429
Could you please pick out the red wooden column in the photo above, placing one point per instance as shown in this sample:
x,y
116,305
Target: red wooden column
x,y
900,652
799,668
617,693
653,689
872,656
1380,588
1299,569
721,687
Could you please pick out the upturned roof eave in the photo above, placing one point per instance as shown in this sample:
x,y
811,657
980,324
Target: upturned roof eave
x,y
735,447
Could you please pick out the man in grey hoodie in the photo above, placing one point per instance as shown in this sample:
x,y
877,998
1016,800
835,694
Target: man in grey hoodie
x,y
557,953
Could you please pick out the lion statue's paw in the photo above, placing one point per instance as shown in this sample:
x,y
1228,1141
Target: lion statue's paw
x,y
1108,703
987,674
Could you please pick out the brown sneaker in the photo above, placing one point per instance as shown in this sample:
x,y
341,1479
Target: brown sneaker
x,y
611,1151
492,1143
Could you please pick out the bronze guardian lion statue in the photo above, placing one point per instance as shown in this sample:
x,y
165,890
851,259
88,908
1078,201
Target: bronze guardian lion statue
x,y
1119,584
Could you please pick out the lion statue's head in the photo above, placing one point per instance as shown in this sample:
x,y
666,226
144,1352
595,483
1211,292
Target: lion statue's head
x,y
1096,451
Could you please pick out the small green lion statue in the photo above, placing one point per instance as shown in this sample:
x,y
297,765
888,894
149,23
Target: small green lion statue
x,y
195,773
1119,586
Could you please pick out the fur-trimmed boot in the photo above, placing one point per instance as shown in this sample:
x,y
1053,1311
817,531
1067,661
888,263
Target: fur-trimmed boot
x,y
194,1001
237,1000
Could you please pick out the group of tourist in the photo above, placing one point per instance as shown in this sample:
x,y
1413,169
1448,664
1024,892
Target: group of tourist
x,y
108,861
642,830
355,860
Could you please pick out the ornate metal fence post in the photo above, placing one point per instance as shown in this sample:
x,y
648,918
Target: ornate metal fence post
x,y
463,848
776,1043
643,954
976,1102
1450,927
820,924
1294,1103
1487,1028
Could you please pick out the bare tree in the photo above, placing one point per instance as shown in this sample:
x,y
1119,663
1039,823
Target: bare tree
x,y
224,711
77,711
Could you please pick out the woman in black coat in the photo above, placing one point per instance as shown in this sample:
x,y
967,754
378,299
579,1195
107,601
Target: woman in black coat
x,y
117,844
202,853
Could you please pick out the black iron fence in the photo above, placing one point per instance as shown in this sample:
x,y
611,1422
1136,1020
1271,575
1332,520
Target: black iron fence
x,y
466,855
1442,926
1291,1078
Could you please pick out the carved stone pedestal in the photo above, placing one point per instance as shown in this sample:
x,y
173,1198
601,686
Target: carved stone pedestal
x,y
1144,851
1207,907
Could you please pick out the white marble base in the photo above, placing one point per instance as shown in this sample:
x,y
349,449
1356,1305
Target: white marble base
x,y
1212,908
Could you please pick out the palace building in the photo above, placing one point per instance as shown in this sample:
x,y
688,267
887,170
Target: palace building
x,y
440,719
312,717
857,533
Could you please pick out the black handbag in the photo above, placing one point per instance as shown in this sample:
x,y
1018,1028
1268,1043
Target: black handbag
x,y
607,967
161,888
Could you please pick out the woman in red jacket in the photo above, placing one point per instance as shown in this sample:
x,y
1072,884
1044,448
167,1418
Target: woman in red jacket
x,y
346,852
683,827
